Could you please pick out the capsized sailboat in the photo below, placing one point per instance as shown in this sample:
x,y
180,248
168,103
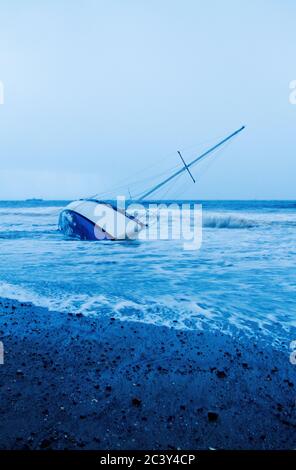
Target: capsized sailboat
x,y
93,219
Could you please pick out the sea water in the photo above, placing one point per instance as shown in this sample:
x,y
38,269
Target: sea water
x,y
242,280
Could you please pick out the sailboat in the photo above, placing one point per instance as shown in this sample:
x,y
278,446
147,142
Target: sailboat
x,y
95,219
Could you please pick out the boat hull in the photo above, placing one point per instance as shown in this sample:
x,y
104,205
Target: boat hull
x,y
97,220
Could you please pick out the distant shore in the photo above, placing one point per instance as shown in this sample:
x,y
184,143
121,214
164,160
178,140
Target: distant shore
x,y
75,382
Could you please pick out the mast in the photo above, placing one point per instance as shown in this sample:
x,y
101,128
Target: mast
x,y
185,168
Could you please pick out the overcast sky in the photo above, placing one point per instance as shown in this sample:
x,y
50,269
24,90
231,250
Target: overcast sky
x,y
100,91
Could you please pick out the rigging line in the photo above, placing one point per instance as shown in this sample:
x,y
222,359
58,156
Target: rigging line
x,y
151,178
173,183
200,157
131,185
56,211
182,186
124,181
162,197
196,146
205,165
156,216
208,163
163,173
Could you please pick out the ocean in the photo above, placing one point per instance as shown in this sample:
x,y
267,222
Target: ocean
x,y
241,281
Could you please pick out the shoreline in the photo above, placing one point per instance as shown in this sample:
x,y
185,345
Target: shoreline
x,y
75,382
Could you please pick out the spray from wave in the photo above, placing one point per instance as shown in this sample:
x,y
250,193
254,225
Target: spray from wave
x,y
227,221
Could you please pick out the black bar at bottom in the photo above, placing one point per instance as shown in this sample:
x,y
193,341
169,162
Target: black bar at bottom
x,y
136,459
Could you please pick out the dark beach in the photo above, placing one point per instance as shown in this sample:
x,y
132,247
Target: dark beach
x,y
75,382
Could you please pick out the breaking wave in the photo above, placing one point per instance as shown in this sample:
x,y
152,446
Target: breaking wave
x,y
227,221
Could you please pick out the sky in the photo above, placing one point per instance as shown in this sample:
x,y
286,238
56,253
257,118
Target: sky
x,y
99,92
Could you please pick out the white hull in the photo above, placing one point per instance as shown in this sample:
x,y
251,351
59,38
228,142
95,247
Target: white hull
x,y
89,219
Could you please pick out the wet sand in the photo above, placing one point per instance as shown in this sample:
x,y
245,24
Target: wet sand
x,y
75,382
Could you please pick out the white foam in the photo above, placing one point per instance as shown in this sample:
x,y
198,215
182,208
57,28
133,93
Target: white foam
x,y
154,311
14,292
227,221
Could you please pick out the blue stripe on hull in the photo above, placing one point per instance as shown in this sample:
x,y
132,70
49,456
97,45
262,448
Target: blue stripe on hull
x,y
77,226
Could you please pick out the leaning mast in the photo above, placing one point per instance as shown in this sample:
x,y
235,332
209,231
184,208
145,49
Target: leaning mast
x,y
186,167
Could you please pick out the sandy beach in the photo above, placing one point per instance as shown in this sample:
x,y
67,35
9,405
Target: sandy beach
x,y
75,382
